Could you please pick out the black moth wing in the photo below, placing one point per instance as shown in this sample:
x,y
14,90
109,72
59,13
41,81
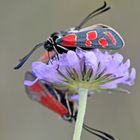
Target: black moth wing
x,y
44,94
96,36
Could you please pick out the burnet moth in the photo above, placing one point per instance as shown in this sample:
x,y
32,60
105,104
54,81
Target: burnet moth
x,y
58,102
96,36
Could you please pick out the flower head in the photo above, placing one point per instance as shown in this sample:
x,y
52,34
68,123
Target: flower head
x,y
98,71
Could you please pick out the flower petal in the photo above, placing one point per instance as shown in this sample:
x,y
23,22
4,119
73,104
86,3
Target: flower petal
x,y
93,69
30,83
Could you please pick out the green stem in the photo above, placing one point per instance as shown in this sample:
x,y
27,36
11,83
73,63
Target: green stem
x,y
83,92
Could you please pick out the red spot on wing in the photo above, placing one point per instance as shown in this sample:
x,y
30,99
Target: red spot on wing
x,y
69,40
103,42
37,87
92,35
53,104
45,98
88,43
111,37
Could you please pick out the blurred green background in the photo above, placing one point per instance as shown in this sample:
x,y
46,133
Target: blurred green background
x,y
23,23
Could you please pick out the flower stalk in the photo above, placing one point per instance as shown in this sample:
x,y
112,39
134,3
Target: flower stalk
x,y
83,92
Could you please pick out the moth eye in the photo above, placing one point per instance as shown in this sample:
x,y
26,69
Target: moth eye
x,y
47,45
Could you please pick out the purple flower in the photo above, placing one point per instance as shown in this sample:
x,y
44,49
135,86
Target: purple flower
x,y
98,71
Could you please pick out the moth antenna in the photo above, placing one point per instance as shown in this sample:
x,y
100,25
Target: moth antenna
x,y
104,10
92,14
25,58
93,130
98,135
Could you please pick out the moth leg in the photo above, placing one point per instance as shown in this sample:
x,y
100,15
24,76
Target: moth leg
x,y
68,105
63,48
